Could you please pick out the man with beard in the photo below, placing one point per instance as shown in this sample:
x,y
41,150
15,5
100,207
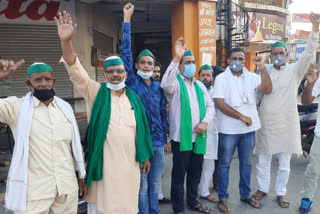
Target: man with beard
x,y
157,71
42,176
205,75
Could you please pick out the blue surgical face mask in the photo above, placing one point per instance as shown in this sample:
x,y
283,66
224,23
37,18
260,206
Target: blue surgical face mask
x,y
236,66
278,60
116,87
189,70
145,75
207,84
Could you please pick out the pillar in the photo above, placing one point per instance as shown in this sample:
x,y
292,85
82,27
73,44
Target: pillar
x,y
196,22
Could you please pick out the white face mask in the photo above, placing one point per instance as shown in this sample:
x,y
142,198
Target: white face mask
x,y
116,87
144,75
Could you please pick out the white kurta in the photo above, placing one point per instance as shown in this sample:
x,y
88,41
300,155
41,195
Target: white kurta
x,y
118,190
280,128
212,136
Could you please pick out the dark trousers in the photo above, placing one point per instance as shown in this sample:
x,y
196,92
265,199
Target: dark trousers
x,y
189,163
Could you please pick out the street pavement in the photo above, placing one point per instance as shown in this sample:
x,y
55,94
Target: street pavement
x,y
270,206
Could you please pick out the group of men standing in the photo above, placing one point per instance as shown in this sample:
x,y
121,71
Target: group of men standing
x,y
127,131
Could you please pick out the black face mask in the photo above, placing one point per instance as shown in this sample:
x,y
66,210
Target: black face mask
x,y
43,94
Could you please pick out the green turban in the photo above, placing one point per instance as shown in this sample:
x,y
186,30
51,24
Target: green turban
x,y
188,53
206,67
279,44
145,52
112,61
39,67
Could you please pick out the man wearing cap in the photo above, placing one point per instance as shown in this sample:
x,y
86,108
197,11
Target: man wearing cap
x,y
152,97
42,176
118,134
205,75
280,130
191,110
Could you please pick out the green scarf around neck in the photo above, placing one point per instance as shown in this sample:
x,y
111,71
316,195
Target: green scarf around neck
x,y
98,127
186,120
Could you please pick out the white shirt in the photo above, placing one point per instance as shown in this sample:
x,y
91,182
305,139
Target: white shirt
x,y
171,86
50,165
230,125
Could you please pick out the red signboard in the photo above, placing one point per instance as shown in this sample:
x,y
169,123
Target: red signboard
x,y
33,11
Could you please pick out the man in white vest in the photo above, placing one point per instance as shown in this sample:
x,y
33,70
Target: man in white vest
x,y
47,151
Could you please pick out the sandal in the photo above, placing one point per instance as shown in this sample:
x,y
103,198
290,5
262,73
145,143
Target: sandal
x,y
211,198
258,195
223,206
252,202
283,202
200,208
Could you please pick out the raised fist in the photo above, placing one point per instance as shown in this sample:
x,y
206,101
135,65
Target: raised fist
x,y
128,11
259,60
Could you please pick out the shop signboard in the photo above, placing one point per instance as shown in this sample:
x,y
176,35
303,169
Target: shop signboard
x,y
266,28
300,47
33,12
207,32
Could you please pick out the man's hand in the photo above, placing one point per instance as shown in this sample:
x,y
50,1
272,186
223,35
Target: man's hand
x,y
8,67
201,128
179,49
146,167
259,61
315,20
65,28
311,75
83,189
246,120
166,149
127,12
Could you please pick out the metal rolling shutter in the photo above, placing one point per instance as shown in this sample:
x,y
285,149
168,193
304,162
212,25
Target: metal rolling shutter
x,y
33,43
104,44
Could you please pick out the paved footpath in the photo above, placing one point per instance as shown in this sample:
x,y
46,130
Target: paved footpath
x,y
270,206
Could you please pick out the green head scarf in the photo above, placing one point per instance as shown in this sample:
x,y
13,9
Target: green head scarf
x,y
145,52
206,67
187,53
112,61
38,67
279,44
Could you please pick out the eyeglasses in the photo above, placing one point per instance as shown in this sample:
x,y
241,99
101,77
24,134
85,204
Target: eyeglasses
x,y
118,71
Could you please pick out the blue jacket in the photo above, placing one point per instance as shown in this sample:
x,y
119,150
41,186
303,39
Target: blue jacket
x,y
152,96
